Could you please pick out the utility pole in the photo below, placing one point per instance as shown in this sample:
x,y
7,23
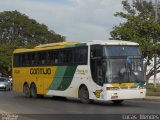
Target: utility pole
x,y
155,41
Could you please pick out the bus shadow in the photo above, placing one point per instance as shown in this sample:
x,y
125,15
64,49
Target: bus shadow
x,y
94,103
126,103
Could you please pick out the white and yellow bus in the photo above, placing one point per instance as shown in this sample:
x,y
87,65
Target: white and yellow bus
x,y
95,70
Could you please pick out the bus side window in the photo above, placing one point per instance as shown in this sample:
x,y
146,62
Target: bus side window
x,y
55,57
96,64
64,57
61,57
68,56
15,60
96,51
93,52
27,59
43,58
80,55
49,58
36,59
20,60
33,60
84,54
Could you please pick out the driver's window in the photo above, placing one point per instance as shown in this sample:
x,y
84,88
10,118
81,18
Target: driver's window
x,y
96,64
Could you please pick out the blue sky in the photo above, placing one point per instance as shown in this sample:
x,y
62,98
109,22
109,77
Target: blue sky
x,y
78,20
51,1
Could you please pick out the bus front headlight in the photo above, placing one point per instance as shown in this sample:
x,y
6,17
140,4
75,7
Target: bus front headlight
x,y
112,88
142,87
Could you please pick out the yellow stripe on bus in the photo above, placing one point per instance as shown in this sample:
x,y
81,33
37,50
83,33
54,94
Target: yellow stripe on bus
x,y
123,84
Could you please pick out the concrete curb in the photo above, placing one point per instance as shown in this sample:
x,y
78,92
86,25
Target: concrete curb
x,y
152,98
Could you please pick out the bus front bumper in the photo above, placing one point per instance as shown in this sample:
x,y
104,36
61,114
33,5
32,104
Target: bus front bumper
x,y
124,94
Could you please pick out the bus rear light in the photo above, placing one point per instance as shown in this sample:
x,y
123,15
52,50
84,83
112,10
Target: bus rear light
x,y
142,87
114,96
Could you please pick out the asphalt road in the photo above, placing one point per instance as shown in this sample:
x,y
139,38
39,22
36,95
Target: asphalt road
x,y
11,102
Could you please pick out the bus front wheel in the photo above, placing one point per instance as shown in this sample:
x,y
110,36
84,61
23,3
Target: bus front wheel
x,y
26,90
84,95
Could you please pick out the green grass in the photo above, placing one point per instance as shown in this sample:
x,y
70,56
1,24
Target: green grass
x,y
151,91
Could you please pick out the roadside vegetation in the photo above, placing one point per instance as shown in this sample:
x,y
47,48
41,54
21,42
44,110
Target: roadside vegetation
x,y
151,91
140,26
19,31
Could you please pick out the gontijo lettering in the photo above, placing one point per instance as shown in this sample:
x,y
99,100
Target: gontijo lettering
x,y
37,71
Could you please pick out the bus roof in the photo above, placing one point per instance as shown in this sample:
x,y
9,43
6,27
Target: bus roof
x,y
111,42
47,47
71,44
56,44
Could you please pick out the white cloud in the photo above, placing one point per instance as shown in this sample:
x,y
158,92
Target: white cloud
x,y
78,20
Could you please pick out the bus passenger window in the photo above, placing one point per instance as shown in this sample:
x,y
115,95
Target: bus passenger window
x,y
55,57
49,58
80,55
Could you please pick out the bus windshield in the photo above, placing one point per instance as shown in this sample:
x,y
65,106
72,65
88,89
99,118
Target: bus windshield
x,y
117,64
123,70
124,64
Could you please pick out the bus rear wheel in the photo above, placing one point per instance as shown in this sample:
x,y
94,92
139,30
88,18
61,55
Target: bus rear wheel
x,y
26,90
84,95
33,90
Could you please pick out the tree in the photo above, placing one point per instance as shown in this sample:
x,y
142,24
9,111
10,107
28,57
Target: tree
x,y
18,31
140,27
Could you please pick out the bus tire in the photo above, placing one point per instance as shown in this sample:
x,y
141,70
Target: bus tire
x,y
84,95
33,91
26,90
40,96
117,102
